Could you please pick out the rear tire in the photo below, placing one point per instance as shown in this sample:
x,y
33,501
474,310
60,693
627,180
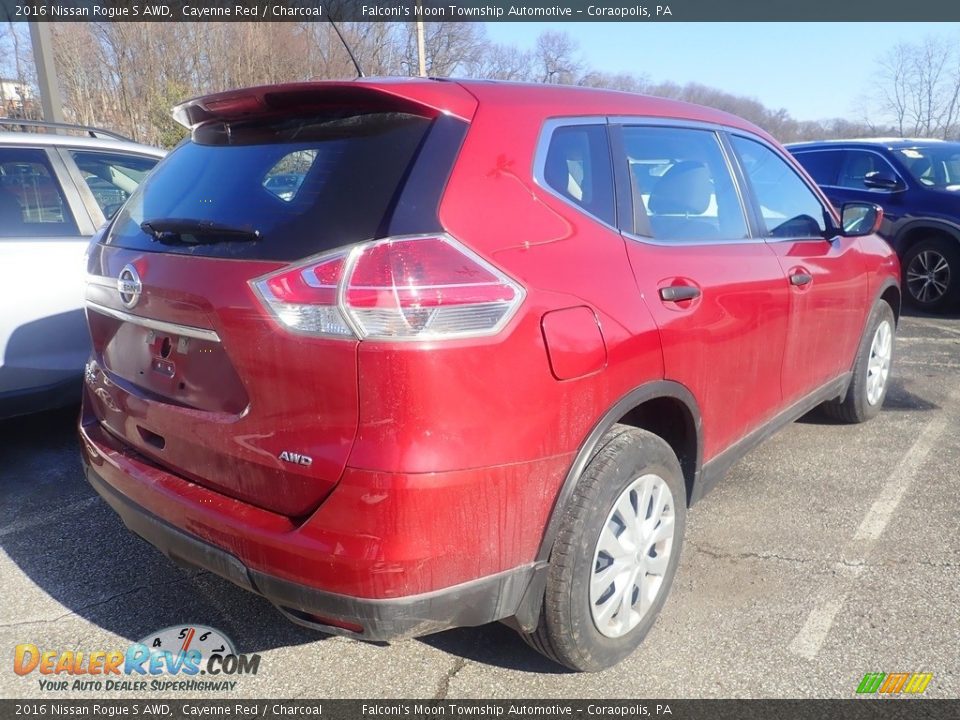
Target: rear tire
x,y
871,370
931,274
615,555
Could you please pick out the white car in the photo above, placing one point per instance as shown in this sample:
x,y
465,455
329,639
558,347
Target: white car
x,y
56,189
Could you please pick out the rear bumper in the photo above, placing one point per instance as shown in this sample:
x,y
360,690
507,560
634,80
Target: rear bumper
x,y
473,603
267,554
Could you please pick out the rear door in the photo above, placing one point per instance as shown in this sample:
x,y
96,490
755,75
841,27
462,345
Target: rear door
x,y
855,165
44,230
826,272
840,173
717,293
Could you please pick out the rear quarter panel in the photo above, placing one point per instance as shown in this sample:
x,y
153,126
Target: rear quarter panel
x,y
494,404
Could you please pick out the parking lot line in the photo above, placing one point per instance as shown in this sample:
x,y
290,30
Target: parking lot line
x,y
812,635
900,480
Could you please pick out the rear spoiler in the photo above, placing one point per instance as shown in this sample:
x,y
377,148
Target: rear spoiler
x,y
427,98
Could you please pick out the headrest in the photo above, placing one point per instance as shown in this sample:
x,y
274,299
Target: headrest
x,y
684,189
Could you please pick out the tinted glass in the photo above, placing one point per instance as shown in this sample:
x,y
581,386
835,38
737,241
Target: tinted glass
x,y
578,168
31,200
823,165
789,207
933,166
856,165
681,185
307,185
112,177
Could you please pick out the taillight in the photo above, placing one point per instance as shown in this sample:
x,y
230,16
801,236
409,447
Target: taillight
x,y
409,288
304,299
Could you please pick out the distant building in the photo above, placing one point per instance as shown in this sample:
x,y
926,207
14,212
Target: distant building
x,y
15,98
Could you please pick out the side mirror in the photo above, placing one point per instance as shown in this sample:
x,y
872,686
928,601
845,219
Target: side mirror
x,y
880,180
860,218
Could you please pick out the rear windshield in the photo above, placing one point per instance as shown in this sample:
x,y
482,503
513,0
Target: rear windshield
x,y
302,185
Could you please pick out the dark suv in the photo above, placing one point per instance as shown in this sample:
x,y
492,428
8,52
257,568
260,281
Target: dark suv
x,y
917,182
477,359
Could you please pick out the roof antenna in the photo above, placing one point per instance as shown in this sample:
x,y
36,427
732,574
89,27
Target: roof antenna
x,y
349,51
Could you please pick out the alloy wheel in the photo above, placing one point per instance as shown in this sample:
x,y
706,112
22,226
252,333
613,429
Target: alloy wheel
x,y
928,276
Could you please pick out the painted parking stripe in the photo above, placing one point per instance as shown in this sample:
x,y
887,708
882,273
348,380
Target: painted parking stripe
x,y
812,635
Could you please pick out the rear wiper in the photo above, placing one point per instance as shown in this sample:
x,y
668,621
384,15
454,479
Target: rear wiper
x,y
171,231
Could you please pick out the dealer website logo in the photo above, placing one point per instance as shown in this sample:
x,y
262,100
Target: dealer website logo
x,y
192,658
894,683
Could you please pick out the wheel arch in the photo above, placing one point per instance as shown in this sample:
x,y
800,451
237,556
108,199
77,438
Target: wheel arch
x,y
916,229
890,294
663,407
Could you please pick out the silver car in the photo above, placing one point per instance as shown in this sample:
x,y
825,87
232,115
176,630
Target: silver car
x,y
56,189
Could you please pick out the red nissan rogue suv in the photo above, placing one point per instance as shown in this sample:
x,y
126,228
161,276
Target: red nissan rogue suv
x,y
406,355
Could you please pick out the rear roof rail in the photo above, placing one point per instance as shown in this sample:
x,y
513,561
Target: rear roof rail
x,y
63,128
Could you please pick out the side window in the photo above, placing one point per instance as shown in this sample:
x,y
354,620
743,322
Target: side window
x,y
111,177
681,185
856,165
31,199
823,165
789,207
578,168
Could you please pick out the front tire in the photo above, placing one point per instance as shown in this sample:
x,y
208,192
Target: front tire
x,y
871,370
931,274
615,555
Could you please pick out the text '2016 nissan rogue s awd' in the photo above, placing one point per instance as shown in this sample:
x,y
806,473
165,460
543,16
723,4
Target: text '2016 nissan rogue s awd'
x,y
473,355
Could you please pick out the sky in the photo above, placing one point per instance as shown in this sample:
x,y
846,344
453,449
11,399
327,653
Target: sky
x,y
814,70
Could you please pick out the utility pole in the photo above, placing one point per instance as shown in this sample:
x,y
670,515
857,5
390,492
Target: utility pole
x,y
421,49
42,42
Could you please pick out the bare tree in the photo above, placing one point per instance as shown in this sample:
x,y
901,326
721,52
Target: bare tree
x,y
919,87
502,62
625,82
555,59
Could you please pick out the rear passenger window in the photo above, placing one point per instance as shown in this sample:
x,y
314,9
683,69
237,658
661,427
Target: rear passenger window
x,y
789,207
857,164
577,167
111,177
31,201
681,185
823,166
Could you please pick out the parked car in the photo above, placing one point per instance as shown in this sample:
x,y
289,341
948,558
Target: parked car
x,y
918,184
465,374
284,186
55,190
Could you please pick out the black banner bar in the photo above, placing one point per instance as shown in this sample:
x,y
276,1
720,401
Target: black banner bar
x,y
854,709
481,10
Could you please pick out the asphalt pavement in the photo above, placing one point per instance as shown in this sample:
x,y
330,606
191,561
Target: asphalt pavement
x,y
829,552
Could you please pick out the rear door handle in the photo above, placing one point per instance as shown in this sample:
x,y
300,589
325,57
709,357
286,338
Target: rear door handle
x,y
801,278
678,293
